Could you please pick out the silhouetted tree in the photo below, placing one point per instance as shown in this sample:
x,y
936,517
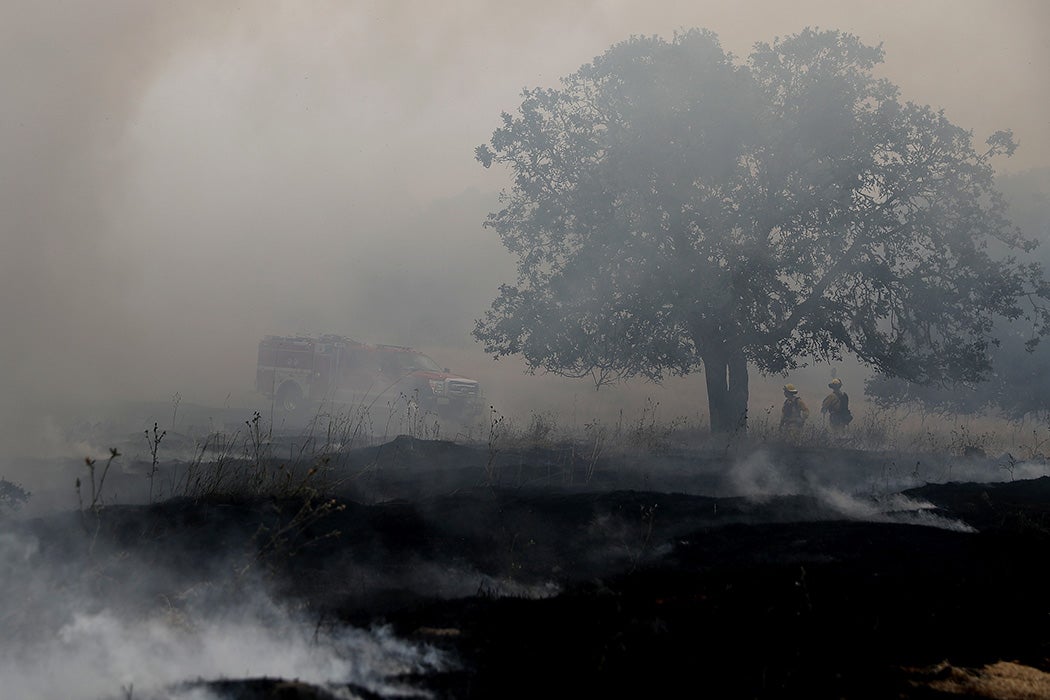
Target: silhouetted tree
x,y
672,209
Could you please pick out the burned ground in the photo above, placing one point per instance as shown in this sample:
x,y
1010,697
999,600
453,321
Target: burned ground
x,y
546,572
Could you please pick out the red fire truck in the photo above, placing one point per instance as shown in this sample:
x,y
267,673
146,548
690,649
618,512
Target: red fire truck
x,y
297,372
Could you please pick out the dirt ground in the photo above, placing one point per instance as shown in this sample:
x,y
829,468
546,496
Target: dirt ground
x,y
546,571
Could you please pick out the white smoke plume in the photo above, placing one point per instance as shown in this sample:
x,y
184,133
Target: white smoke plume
x,y
859,494
84,632
96,655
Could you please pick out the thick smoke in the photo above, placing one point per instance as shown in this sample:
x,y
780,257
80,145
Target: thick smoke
x,y
101,625
100,655
179,180
857,492
72,76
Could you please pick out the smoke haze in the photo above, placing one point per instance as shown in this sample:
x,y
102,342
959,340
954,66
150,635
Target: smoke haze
x,y
114,626
179,180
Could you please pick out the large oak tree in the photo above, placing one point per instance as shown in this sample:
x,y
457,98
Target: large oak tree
x,y
673,209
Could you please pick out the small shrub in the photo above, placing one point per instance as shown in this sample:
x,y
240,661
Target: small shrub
x,y
12,496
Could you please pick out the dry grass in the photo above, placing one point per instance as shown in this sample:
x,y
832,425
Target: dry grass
x,y
261,459
1003,680
873,429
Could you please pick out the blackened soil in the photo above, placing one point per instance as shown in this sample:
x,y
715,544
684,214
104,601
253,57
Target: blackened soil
x,y
832,609
580,589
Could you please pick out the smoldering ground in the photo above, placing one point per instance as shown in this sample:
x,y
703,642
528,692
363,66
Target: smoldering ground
x,y
107,624
433,570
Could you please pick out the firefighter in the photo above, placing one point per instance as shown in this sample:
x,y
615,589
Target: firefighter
x,y
795,412
836,405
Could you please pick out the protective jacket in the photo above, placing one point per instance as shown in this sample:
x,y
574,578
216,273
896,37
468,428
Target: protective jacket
x,y
836,405
794,413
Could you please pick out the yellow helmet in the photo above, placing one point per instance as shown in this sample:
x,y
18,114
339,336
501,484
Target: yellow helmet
x,y
790,388
834,383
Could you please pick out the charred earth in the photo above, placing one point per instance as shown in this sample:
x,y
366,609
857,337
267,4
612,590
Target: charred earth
x,y
547,571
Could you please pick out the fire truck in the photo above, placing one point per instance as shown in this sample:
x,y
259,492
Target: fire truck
x,y
298,372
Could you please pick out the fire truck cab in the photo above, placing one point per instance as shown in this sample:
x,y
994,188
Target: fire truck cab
x,y
296,372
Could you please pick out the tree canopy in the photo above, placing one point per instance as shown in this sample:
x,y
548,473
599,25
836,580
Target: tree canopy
x,y
674,209
1019,380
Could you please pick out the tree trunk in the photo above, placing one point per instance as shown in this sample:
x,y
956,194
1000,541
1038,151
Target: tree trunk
x,y
738,392
727,390
717,394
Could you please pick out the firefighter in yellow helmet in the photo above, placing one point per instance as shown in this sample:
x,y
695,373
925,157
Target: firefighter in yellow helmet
x,y
836,405
795,412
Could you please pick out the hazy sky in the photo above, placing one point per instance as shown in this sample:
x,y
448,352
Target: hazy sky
x,y
178,179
